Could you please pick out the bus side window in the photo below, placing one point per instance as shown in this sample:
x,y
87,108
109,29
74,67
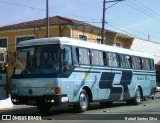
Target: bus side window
x,y
112,59
128,61
122,61
125,61
83,56
67,56
138,63
151,64
148,65
97,58
145,64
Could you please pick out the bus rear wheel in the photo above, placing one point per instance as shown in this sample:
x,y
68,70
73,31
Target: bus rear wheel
x,y
83,102
137,98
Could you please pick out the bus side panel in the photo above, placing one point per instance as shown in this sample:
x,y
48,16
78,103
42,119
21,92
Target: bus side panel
x,y
145,81
116,84
76,81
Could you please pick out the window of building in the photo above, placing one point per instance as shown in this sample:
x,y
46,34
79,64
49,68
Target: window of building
x,y
83,37
97,57
3,42
112,59
83,56
99,41
20,39
118,44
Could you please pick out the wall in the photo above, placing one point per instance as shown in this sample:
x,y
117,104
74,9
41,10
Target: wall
x,y
92,35
147,47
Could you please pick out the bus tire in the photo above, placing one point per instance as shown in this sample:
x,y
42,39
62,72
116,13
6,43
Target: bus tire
x,y
137,98
44,108
83,102
153,97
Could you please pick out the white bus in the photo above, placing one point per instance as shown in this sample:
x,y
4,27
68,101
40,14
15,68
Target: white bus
x,y
59,71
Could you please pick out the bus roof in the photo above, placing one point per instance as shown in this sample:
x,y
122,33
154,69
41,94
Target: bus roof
x,y
80,43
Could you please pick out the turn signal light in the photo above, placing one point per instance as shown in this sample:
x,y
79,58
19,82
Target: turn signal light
x,y
57,90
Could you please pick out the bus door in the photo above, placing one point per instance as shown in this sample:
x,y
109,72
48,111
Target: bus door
x,y
3,75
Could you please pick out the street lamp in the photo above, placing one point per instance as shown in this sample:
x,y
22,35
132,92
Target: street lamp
x,y
103,18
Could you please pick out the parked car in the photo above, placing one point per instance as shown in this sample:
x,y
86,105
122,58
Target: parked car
x,y
157,87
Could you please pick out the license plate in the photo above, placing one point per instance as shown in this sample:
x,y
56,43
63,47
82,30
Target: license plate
x,y
31,101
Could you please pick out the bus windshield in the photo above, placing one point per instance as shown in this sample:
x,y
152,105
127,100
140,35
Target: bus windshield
x,y
37,60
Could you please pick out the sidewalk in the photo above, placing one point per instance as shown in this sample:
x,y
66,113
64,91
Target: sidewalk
x,y
6,103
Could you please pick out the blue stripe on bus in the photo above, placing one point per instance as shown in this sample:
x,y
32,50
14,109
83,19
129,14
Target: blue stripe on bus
x,y
117,69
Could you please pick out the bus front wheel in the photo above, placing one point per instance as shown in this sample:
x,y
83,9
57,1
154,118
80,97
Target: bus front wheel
x,y
83,102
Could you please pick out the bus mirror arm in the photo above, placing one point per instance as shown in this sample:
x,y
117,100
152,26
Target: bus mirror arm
x,y
66,69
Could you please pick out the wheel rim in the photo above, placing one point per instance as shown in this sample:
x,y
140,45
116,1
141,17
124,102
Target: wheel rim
x,y
83,101
138,96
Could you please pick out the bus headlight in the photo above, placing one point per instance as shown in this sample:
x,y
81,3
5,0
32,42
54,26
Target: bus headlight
x,y
50,91
15,91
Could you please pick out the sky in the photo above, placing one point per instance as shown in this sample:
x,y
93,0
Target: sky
x,y
136,18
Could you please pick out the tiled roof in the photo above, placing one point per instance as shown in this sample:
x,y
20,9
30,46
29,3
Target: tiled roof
x,y
56,20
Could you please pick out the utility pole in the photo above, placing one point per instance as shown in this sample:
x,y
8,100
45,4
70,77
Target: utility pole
x,y
47,19
104,12
103,21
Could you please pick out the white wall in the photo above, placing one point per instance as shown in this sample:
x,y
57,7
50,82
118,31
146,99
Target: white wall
x,y
147,47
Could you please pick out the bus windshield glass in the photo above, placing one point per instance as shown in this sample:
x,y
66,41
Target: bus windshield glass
x,y
37,60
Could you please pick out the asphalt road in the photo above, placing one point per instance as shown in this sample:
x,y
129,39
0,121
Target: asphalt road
x,y
147,111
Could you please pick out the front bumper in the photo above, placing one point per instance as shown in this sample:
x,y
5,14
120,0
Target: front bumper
x,y
55,100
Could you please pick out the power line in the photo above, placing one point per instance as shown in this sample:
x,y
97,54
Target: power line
x,y
44,10
134,31
129,29
93,20
142,10
124,31
20,5
154,12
